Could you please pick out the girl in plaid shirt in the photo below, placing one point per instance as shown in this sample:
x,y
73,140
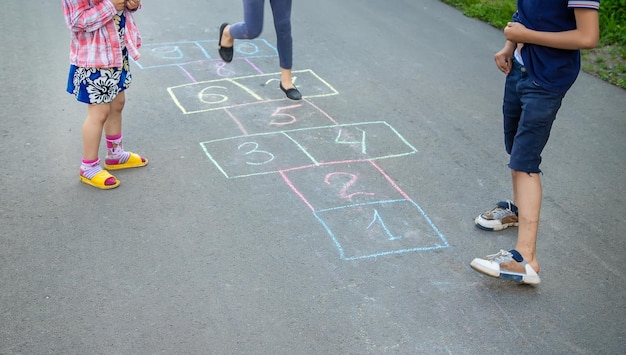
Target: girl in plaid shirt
x,y
103,35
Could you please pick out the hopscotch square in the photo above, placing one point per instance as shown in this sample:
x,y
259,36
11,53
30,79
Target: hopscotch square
x,y
211,95
357,141
230,92
273,116
380,229
156,55
250,49
342,184
309,84
243,49
201,71
159,55
251,155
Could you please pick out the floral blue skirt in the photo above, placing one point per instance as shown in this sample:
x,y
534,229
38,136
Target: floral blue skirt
x,y
100,85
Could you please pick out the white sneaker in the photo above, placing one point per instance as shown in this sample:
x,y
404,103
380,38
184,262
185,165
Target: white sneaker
x,y
502,216
490,265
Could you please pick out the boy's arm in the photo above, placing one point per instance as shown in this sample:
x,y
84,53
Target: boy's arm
x,y
585,36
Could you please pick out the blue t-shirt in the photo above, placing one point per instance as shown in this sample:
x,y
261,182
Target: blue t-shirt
x,y
553,69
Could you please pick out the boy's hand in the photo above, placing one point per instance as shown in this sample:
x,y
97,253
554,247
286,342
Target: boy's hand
x,y
514,32
119,4
133,4
503,57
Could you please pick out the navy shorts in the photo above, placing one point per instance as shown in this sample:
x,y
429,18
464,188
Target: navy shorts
x,y
529,111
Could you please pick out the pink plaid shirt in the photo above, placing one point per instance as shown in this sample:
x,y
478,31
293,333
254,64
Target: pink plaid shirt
x,y
94,39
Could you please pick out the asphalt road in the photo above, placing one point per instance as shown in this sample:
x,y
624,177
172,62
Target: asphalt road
x,y
338,225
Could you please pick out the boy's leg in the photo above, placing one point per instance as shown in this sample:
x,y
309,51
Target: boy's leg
x,y
528,200
504,214
539,112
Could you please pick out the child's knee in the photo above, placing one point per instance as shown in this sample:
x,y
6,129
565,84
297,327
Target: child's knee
x,y
117,105
98,112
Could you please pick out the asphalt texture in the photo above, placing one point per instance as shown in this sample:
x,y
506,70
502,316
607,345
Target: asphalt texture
x,y
342,224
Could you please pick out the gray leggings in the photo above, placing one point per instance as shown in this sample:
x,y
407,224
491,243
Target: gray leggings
x,y
253,25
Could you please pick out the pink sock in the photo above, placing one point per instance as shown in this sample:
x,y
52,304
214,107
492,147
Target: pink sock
x,y
89,169
115,150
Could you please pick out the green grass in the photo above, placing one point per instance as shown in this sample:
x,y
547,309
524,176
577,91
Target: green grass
x,y
607,61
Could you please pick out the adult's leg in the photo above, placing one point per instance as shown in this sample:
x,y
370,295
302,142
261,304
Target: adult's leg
x,y
251,26
281,10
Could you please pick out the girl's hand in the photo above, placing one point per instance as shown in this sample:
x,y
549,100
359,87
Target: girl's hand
x,y
119,4
133,4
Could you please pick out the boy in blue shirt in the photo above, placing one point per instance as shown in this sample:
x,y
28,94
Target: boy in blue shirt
x,y
541,59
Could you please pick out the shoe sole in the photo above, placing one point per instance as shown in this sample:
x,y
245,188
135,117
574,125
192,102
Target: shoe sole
x,y
87,181
135,161
519,278
480,223
476,265
125,166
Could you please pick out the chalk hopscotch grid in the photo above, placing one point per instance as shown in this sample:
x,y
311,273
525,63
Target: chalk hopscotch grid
x,y
341,247
234,81
198,45
251,50
305,104
314,161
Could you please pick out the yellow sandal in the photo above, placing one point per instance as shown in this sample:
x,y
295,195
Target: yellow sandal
x,y
134,161
100,179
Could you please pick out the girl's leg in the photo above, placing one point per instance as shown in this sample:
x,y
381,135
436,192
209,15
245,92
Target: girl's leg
x,y
113,124
117,158
250,28
281,10
92,129
113,131
92,133
286,80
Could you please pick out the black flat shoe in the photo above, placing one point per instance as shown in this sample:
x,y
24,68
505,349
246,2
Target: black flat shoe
x,y
292,93
226,53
